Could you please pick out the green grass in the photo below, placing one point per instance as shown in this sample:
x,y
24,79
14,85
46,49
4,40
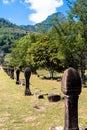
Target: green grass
x,y
18,112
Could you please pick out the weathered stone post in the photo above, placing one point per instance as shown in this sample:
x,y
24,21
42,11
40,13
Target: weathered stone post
x,y
17,76
71,87
12,72
8,71
27,74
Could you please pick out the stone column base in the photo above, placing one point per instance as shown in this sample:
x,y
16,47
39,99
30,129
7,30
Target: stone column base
x,y
61,128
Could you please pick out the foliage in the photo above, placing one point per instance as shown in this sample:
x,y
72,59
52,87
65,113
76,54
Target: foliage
x,y
9,33
78,12
44,53
20,51
37,50
73,36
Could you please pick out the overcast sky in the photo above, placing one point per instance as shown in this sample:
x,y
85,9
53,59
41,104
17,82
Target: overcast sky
x,y
27,12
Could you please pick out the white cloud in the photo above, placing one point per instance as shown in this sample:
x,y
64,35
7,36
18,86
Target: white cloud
x,y
7,1
42,8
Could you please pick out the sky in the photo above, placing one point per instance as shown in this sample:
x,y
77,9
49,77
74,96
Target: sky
x,y
30,12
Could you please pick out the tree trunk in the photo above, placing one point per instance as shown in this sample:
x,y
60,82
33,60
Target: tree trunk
x,y
51,74
82,68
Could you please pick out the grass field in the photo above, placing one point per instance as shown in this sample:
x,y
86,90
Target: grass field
x,y
19,112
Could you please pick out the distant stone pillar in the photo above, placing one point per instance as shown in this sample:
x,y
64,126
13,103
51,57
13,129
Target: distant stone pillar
x,y
71,87
27,74
17,76
12,72
8,72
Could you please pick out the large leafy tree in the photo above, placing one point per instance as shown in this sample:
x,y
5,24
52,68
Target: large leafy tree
x,y
19,51
67,36
44,53
78,13
73,36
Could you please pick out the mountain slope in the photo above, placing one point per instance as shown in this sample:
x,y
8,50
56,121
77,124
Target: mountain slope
x,y
9,32
46,24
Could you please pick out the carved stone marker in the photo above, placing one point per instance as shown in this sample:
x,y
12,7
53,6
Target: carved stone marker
x,y
17,76
27,74
71,87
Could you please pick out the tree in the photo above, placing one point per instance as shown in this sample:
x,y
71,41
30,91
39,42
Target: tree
x,y
44,53
73,36
19,51
78,12
67,35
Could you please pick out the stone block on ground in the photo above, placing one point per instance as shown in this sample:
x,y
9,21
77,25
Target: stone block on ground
x,y
54,97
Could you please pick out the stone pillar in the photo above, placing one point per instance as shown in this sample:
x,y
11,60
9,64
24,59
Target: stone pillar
x,y
8,72
17,76
27,74
12,72
71,87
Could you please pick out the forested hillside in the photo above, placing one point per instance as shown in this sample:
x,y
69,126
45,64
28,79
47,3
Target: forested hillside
x,y
8,34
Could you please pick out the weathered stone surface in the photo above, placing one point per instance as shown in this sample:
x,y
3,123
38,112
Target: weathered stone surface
x,y
17,76
53,97
40,96
71,87
27,74
27,92
71,82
